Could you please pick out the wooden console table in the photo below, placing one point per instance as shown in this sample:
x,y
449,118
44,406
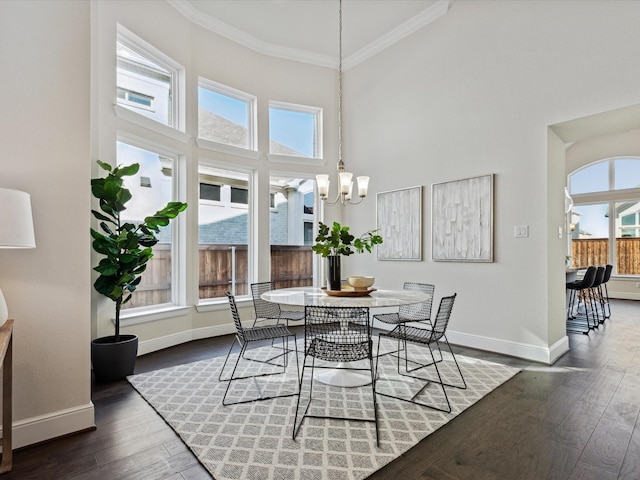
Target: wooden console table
x,y
6,359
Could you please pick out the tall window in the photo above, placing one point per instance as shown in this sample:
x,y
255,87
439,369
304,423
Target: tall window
x,y
606,197
291,224
295,130
146,79
226,115
223,232
151,188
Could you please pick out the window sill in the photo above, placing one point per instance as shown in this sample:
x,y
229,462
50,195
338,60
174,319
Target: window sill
x,y
217,304
142,121
289,159
152,315
230,149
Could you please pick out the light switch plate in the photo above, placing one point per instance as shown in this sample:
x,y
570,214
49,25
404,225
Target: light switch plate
x,y
521,231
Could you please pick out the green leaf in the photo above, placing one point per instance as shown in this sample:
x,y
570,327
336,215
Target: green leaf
x,y
129,170
105,166
339,241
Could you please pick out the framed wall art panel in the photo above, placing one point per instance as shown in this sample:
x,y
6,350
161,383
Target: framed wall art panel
x,y
462,220
399,221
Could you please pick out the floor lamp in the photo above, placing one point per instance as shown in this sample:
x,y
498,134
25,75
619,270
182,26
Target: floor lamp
x,y
16,229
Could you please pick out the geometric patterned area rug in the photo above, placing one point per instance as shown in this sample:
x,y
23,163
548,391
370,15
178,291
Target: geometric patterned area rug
x,y
253,441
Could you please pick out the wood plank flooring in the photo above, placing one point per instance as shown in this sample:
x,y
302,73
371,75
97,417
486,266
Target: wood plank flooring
x,y
576,420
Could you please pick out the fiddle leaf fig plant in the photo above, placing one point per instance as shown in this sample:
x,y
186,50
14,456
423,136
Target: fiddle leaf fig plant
x,y
337,240
125,246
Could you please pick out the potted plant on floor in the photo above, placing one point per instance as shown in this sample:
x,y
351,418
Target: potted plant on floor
x,y
334,242
126,249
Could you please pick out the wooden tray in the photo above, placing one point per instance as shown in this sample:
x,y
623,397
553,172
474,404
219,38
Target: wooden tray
x,y
348,292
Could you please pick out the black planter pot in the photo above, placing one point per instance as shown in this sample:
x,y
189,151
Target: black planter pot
x,y
114,360
333,277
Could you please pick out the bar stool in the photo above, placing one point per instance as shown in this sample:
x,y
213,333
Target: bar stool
x,y
595,294
580,290
604,291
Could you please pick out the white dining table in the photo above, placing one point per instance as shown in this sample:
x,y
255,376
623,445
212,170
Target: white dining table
x,y
314,296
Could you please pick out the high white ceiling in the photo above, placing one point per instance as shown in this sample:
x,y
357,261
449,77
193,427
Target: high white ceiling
x,y
308,30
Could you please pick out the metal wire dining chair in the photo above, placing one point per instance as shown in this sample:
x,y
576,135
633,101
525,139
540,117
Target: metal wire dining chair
x,y
254,335
416,312
335,335
430,337
271,311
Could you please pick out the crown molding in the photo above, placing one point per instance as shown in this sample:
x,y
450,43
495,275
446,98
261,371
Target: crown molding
x,y
403,30
385,41
236,35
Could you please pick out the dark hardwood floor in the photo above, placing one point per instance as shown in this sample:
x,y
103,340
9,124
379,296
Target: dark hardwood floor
x,y
576,420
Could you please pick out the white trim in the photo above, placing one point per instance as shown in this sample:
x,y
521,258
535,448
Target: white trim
x,y
526,351
407,28
53,425
145,122
624,295
160,343
213,24
221,303
392,37
558,349
139,317
546,355
535,353
293,160
228,149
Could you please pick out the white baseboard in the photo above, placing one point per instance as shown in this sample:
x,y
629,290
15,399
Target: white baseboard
x,y
624,295
535,353
52,425
521,350
167,341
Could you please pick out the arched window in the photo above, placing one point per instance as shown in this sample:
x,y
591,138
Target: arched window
x,y
606,196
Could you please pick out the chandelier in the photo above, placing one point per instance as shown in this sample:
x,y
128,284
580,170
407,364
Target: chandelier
x,y
345,184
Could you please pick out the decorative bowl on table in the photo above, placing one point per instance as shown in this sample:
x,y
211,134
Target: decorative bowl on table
x,y
360,282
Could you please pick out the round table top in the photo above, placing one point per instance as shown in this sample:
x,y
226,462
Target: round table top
x,y
313,296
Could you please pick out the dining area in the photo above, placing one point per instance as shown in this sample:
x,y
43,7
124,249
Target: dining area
x,y
322,384
379,342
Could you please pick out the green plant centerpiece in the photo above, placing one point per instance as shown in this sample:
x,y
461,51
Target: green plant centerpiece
x,y
126,249
334,242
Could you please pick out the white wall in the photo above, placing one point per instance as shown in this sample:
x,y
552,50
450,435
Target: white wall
x,y
44,133
474,93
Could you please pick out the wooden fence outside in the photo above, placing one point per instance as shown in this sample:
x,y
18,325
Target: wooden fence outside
x,y
291,266
595,251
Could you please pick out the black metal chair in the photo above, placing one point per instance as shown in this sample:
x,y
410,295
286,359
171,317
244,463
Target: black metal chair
x,y
430,338
247,336
417,312
271,311
604,291
597,302
579,291
335,335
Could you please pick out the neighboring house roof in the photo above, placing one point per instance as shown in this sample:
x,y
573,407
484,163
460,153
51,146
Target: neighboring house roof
x,y
236,134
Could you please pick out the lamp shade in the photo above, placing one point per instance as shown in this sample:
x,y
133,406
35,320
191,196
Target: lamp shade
x,y
16,220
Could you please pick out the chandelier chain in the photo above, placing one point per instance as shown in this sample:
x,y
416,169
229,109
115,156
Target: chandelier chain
x,y
345,184
340,163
